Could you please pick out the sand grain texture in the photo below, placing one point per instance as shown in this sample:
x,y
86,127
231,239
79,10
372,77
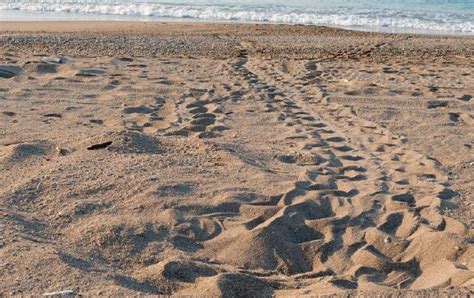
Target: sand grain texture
x,y
234,160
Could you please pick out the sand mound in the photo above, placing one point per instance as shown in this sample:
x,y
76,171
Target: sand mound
x,y
175,270
118,237
17,153
231,285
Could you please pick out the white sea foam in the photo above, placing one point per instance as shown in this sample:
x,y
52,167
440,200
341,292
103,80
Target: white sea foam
x,y
374,19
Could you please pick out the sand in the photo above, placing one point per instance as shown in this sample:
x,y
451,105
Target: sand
x,y
234,160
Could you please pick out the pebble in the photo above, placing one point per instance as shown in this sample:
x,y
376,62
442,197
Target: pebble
x,y
62,151
387,240
46,68
99,146
465,97
434,104
53,59
9,71
61,293
8,113
90,72
394,157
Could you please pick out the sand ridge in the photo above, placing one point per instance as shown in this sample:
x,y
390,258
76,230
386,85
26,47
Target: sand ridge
x,y
250,175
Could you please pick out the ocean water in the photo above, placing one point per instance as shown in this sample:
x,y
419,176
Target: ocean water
x,y
414,16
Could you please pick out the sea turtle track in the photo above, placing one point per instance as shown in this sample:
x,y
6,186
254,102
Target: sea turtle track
x,y
363,209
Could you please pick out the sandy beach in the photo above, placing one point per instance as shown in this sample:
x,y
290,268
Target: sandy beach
x,y
234,160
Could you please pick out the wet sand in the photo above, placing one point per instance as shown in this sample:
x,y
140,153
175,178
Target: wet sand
x,y
234,160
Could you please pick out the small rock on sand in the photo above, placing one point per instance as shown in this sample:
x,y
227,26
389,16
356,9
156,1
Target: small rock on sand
x,y
61,293
99,146
9,71
46,68
434,104
62,151
53,115
53,59
90,72
465,97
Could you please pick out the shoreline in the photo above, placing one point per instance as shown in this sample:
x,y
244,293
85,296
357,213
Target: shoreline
x,y
357,17
78,26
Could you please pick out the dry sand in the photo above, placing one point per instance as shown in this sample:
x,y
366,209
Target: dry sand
x,y
234,160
